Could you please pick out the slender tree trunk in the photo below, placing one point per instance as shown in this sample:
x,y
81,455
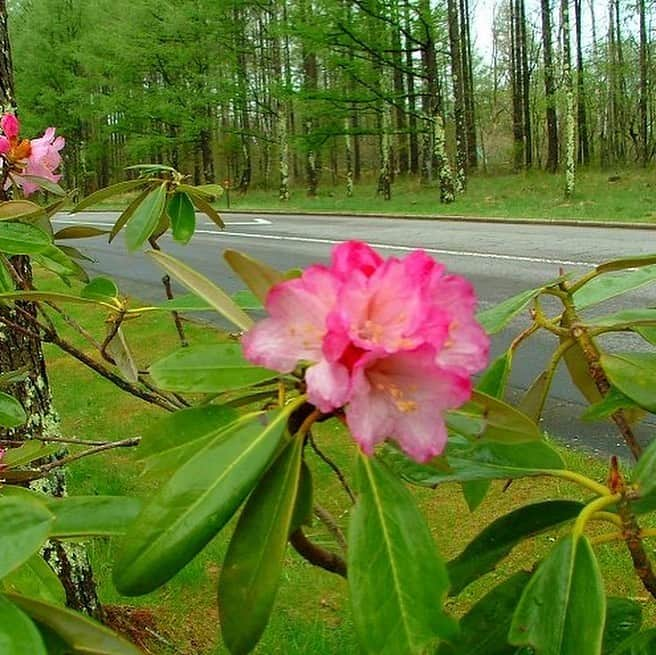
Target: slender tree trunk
x,y
584,143
310,84
570,145
516,79
526,87
644,84
403,159
348,157
20,351
468,83
412,98
455,40
549,88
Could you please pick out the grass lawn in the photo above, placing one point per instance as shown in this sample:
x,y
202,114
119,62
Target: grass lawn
x,y
311,613
532,194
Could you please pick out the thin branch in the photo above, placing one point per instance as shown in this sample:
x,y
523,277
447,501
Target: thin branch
x,y
333,466
317,555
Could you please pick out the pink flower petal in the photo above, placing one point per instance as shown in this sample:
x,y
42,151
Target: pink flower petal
x,y
328,385
10,126
352,256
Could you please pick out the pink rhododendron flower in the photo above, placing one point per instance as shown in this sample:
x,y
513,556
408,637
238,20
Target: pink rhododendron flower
x,y
38,157
394,342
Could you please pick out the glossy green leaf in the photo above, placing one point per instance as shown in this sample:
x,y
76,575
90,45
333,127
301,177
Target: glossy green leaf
x,y
53,296
145,218
202,205
12,413
258,276
496,318
634,374
208,369
626,262
24,526
35,578
23,210
253,564
493,381
474,492
79,232
44,184
623,619
28,451
18,635
532,403
129,211
495,542
183,217
81,633
501,422
644,643
204,288
53,259
22,239
644,473
563,608
484,628
101,288
190,508
397,579
613,401
303,510
645,315
85,516
486,461
605,287
107,192
209,190
174,439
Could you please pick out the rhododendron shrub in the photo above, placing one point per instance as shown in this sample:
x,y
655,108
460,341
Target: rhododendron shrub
x,y
382,359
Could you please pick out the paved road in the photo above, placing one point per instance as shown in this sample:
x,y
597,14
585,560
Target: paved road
x,y
500,259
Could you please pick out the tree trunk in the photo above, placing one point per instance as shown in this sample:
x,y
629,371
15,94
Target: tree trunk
x,y
570,145
526,87
644,85
468,84
349,158
584,144
516,79
549,88
412,98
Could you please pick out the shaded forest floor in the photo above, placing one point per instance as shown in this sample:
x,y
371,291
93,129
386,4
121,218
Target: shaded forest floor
x,y
312,608
626,196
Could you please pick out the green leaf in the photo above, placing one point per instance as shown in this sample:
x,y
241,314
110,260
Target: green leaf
x,y
172,440
397,579
644,473
45,184
258,276
496,318
208,369
79,232
24,210
474,492
12,413
129,211
626,262
579,371
500,421
151,167
76,254
18,635
605,287
183,217
120,352
563,608
634,374
145,218
7,282
107,192
253,564
486,461
196,502
28,451
86,516
204,288
613,401
532,404
81,633
623,619
100,288
497,540
202,205
628,316
644,643
36,578
54,296
53,259
493,381
247,300
484,629
24,526
210,190
303,510
22,239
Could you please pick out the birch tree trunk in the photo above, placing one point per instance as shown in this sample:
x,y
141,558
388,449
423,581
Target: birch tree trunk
x,y
570,144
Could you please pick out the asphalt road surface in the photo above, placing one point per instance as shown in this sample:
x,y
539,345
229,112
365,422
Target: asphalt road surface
x,y
500,259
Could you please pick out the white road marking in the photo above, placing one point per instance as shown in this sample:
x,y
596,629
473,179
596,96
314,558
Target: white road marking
x,y
253,221
380,246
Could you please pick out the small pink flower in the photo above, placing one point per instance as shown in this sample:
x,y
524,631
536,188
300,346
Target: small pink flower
x,y
394,342
43,161
10,126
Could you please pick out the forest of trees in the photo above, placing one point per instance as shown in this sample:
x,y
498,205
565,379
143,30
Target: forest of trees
x,y
300,94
